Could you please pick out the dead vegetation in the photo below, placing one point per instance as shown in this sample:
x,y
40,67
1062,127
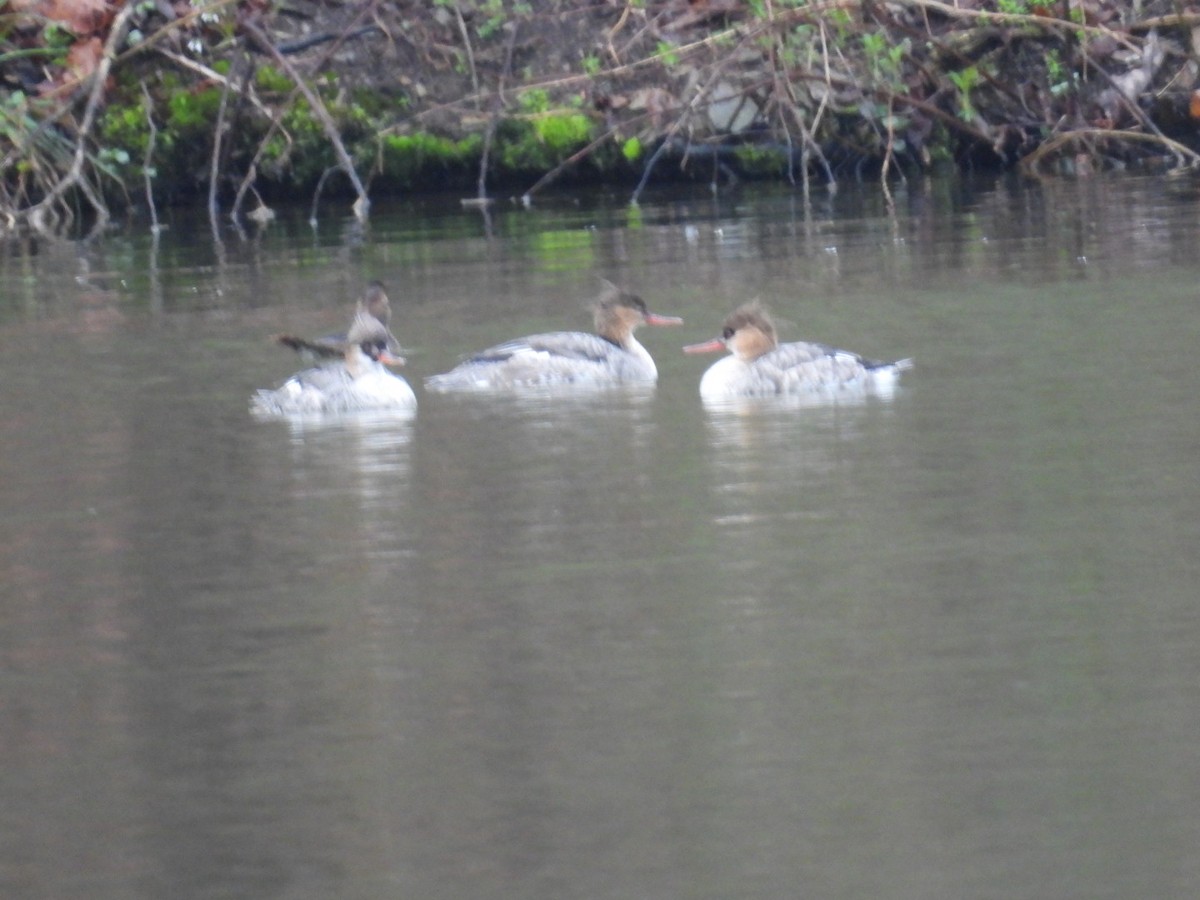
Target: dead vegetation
x,y
236,98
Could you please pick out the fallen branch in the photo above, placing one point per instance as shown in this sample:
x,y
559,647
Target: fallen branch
x,y
1032,161
1042,23
362,205
277,118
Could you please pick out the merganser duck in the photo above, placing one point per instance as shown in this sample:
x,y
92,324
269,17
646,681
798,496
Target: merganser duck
x,y
762,367
355,380
373,304
611,356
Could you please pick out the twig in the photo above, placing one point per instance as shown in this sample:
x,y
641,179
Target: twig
x,y
194,14
73,176
1033,160
498,104
148,158
363,205
576,157
277,118
214,164
569,80
1042,23
466,37
688,110
214,76
312,216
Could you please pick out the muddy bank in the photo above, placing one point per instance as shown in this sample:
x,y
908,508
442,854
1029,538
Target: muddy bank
x,y
112,106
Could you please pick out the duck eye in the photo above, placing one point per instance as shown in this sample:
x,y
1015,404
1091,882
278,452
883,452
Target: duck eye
x,y
727,333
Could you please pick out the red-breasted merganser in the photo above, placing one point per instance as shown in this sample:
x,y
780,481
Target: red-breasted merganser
x,y
762,367
355,379
374,304
611,356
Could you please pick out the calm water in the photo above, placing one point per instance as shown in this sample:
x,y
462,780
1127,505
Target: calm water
x,y
943,646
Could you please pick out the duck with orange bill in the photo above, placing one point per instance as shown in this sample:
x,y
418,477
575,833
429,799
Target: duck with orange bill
x,y
610,356
354,376
760,366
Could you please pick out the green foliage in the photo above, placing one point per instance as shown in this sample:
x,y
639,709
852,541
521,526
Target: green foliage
x,y
666,52
794,44
535,101
884,58
1013,7
841,21
965,80
489,15
56,37
632,149
1060,79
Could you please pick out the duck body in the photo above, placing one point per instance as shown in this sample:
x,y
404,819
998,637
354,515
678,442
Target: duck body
x,y
610,357
357,383
549,360
759,366
354,378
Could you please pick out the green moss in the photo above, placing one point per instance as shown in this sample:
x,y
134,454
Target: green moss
x,y
124,126
189,111
272,80
541,143
563,135
411,160
760,161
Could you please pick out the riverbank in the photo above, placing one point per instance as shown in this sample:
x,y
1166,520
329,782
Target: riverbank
x,y
123,106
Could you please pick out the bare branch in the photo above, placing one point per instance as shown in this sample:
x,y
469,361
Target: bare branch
x,y
363,204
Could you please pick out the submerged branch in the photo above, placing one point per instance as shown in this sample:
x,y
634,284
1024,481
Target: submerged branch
x,y
1033,161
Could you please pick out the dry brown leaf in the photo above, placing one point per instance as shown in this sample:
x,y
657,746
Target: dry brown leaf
x,y
80,17
83,58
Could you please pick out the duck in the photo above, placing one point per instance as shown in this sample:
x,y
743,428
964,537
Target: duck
x,y
373,305
760,366
611,356
354,376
